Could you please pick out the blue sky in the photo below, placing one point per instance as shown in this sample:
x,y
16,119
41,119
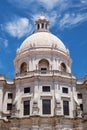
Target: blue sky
x,y
68,21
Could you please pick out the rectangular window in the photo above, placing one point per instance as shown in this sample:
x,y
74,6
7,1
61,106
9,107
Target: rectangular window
x,y
81,107
8,117
10,95
46,88
26,107
66,107
43,70
65,90
27,90
46,106
9,106
79,95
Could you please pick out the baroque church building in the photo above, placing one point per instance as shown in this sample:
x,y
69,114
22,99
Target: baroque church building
x,y
44,95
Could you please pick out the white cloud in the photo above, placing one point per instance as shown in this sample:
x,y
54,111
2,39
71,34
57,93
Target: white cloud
x,y
56,9
84,1
49,4
53,18
6,43
3,42
19,27
61,4
70,20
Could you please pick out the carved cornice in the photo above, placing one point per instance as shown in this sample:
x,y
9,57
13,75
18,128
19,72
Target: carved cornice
x,y
53,119
47,51
46,78
82,86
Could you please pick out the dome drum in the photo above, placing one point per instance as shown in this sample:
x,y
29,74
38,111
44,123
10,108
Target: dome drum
x,y
41,64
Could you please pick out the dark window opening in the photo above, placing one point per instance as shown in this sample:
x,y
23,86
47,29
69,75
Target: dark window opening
x,y
42,25
46,106
9,106
46,88
8,117
10,95
27,90
26,107
63,67
81,107
65,90
66,107
38,26
23,68
43,70
79,95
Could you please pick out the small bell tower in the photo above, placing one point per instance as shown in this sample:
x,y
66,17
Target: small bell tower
x,y
42,24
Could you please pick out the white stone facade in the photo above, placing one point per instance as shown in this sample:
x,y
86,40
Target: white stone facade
x,y
43,77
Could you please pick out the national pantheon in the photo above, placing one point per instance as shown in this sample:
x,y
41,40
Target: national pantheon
x,y
44,95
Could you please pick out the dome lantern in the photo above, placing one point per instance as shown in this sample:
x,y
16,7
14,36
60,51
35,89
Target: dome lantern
x,y
42,23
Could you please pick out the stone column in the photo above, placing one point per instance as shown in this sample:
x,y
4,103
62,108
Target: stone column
x,y
54,64
57,100
33,61
35,109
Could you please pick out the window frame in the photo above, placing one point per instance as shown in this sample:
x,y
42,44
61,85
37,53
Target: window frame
x,y
43,65
65,90
9,106
46,108
26,107
26,90
81,107
46,89
10,95
79,95
43,70
42,25
63,67
23,68
66,110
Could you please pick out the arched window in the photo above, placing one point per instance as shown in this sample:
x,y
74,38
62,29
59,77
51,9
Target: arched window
x,y
42,25
23,68
43,65
63,67
38,26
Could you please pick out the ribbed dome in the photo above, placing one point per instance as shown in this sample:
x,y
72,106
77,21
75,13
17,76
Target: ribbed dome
x,y
42,39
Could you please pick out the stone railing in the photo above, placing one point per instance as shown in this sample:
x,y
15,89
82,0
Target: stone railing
x,y
44,73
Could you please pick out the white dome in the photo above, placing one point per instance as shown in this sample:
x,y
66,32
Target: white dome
x,y
42,39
